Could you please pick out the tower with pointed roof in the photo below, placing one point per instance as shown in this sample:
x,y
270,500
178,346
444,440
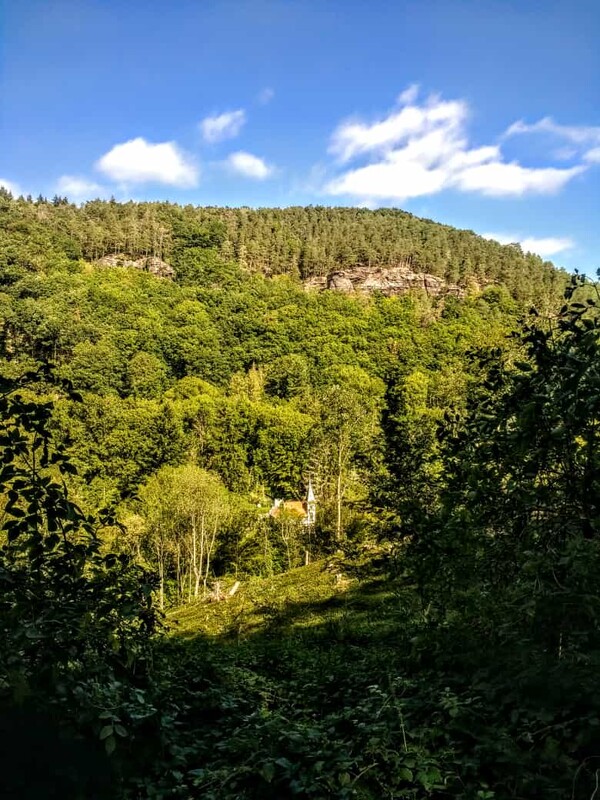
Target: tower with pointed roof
x,y
311,506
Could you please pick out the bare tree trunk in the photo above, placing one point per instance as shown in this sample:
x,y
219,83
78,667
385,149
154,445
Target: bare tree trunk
x,y
203,553
338,526
209,549
160,558
266,546
198,566
286,538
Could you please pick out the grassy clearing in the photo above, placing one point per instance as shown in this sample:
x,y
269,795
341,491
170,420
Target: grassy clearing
x,y
297,687
319,596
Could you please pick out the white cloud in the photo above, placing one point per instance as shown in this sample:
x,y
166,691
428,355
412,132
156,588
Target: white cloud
x,y
224,126
77,188
11,187
593,155
421,149
139,161
579,134
248,165
499,179
401,127
265,95
391,179
585,139
409,95
544,246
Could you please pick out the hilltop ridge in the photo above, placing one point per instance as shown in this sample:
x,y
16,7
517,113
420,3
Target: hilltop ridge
x,y
308,244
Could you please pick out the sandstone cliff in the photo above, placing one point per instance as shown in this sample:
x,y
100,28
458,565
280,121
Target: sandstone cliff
x,y
151,264
388,281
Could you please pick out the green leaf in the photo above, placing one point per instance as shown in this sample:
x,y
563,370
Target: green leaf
x,y
106,731
18,513
68,468
344,778
268,771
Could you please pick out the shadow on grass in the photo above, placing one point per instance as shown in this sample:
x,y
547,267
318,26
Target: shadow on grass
x,y
317,607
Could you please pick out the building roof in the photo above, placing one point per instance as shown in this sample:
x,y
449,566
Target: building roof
x,y
295,507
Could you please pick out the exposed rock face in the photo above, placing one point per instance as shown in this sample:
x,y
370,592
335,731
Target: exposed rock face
x,y
391,281
340,282
151,264
158,267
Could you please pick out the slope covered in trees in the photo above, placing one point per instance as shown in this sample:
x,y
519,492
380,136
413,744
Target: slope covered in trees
x,y
442,641
299,242
226,381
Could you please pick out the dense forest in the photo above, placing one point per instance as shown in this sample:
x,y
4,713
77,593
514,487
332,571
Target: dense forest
x,y
171,631
298,242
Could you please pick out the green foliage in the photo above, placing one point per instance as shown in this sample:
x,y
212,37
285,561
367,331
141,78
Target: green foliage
x,y
203,243
522,467
290,379
507,563
463,667
185,510
75,620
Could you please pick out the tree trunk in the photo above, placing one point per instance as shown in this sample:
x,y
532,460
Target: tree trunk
x,y
198,567
161,578
178,573
209,548
338,526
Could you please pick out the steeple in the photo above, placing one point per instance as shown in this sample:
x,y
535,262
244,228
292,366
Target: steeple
x,y
311,506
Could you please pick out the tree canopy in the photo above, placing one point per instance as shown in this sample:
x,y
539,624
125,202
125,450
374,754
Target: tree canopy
x,y
433,633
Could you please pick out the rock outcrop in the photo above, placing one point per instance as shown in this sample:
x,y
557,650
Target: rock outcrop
x,y
152,264
389,281
340,282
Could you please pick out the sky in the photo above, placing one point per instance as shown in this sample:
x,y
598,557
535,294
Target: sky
x,y
482,114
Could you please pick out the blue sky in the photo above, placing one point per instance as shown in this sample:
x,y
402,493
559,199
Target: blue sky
x,y
479,114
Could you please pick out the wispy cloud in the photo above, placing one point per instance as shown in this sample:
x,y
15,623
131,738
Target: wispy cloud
x,y
11,187
545,246
223,126
265,95
500,179
409,95
139,161
584,140
421,149
593,155
249,165
78,188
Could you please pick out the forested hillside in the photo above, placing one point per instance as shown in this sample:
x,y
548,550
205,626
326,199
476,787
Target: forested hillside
x,y
432,633
231,383
299,242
